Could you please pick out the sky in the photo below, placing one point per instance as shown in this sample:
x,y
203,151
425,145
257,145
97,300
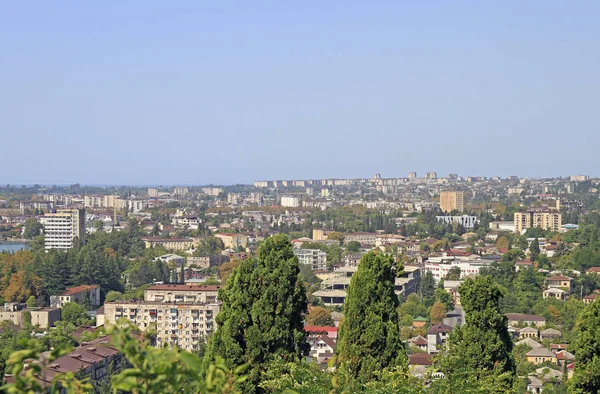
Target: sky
x,y
199,92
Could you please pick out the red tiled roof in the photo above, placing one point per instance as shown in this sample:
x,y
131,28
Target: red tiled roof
x,y
419,341
524,317
558,277
79,289
319,329
420,359
593,270
439,328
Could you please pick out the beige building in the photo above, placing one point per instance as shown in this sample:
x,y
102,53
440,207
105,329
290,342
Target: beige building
x,y
183,315
319,234
17,314
80,295
63,228
545,220
169,243
152,192
452,200
232,241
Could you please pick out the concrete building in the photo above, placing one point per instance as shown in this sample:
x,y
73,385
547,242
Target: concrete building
x,y
180,191
63,229
465,220
412,175
152,192
452,200
315,258
290,201
183,315
232,241
17,314
168,243
206,261
467,268
431,175
83,294
551,221
437,337
579,178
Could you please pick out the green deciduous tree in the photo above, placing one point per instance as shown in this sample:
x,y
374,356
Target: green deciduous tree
x,y
453,274
586,348
534,250
261,317
369,337
483,345
74,313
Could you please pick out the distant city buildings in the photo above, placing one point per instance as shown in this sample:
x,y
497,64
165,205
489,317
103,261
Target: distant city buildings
x,y
465,220
64,228
290,201
451,201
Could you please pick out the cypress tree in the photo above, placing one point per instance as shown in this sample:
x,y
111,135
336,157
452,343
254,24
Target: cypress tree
x,y
534,250
586,348
261,315
482,347
369,336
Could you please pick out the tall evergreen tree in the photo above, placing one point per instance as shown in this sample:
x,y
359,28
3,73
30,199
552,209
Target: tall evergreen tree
x,y
534,250
586,348
483,345
369,337
261,316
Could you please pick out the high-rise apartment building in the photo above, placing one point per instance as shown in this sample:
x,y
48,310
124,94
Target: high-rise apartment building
x,y
182,315
181,191
64,228
431,175
290,201
412,175
545,220
452,200
152,192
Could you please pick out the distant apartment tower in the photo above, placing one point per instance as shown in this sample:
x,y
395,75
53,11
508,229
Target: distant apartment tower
x,y
412,175
551,221
180,191
579,178
261,183
152,192
431,175
314,258
290,201
64,228
452,200
453,176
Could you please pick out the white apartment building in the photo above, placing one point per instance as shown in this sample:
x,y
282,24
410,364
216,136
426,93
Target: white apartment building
x,y
180,191
62,228
152,192
465,220
290,201
315,258
467,268
183,315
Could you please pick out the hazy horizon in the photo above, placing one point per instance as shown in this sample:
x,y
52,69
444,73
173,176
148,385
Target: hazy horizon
x,y
198,93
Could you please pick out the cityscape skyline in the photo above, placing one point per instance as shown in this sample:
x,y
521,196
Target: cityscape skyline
x,y
226,93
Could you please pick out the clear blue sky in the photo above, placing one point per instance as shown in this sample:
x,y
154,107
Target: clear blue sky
x,y
155,92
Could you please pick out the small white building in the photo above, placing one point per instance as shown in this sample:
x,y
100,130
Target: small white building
x,y
315,258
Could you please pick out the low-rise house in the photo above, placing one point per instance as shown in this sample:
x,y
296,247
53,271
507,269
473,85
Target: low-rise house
x,y
206,261
541,355
557,347
419,322
528,332
516,319
171,258
437,337
563,357
419,342
534,384
418,363
588,299
549,375
84,294
559,282
523,264
315,331
555,293
550,333
451,286
322,348
593,270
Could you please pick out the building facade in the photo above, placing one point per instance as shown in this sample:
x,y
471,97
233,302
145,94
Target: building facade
x,y
63,229
465,220
314,258
551,221
80,295
452,200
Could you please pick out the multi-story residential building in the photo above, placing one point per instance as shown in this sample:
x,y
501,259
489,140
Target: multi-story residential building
x,y
113,201
467,268
315,258
64,228
261,183
42,317
431,175
290,201
206,261
361,237
465,220
93,201
579,178
545,220
412,175
94,361
180,191
182,315
152,192
212,191
233,241
45,206
168,243
191,222
80,294
452,200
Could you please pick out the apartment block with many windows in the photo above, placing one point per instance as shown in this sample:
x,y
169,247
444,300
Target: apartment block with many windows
x,y
545,220
64,228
